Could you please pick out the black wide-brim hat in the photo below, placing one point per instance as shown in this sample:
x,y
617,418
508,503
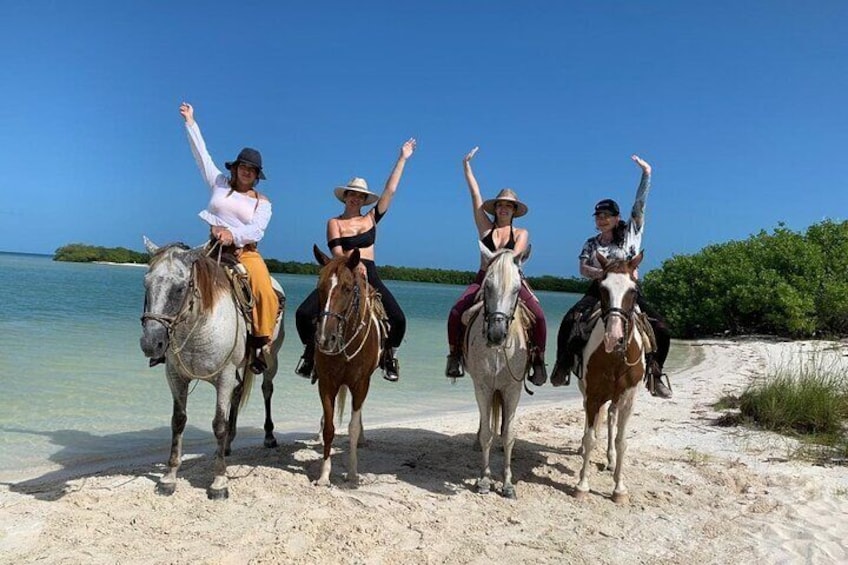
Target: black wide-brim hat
x,y
248,156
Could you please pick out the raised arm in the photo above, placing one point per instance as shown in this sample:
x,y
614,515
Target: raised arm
x,y
198,146
406,151
637,215
482,221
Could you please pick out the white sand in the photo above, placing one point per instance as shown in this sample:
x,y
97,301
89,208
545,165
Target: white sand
x,y
700,493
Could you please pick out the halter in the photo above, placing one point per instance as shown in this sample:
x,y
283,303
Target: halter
x,y
351,312
629,326
171,322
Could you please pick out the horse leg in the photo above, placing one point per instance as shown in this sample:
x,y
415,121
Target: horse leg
x,y
232,422
612,418
328,400
267,393
218,490
619,493
354,428
484,404
593,412
268,378
179,390
510,404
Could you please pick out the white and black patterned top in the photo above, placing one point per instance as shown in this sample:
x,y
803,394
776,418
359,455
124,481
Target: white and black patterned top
x,y
632,243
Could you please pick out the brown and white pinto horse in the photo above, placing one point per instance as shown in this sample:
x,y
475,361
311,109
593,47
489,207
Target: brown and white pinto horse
x,y
349,340
613,366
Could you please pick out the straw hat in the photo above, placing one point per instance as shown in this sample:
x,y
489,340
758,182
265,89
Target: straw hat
x,y
507,195
356,184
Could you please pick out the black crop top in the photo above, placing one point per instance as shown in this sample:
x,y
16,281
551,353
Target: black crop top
x,y
360,240
489,240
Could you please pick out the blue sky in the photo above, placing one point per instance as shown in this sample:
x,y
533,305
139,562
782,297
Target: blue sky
x,y
740,107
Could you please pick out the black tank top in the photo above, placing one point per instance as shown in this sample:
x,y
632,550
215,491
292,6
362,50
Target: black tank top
x,y
489,240
360,240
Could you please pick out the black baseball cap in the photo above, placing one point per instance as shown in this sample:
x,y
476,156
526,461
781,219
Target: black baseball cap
x,y
607,206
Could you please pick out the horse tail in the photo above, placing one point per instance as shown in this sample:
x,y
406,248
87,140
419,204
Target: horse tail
x,y
495,423
341,400
246,385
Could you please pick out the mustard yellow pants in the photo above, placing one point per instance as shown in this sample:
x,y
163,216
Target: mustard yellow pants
x,y
265,302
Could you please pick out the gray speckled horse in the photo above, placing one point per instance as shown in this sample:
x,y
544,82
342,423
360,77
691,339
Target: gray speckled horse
x,y
496,356
192,320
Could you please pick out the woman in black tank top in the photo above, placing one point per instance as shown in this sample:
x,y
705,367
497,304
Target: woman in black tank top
x,y
497,233
355,230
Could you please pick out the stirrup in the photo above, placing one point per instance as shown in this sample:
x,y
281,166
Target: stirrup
x,y
305,366
391,369
454,368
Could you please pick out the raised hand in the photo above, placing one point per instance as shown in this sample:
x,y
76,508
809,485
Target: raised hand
x,y
408,148
646,168
470,155
187,112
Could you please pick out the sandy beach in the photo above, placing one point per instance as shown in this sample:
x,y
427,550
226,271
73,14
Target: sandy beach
x,y
699,493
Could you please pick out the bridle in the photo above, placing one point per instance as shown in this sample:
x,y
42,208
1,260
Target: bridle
x,y
629,325
170,322
357,309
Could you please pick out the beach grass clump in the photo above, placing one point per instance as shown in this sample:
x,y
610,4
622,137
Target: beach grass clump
x,y
805,396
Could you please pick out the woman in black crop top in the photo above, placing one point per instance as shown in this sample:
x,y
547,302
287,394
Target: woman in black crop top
x,y
496,234
355,230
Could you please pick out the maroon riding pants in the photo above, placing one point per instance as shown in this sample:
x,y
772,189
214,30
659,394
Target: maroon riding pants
x,y
455,327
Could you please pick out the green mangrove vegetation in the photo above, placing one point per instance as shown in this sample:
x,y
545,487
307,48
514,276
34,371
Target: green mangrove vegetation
x,y
782,283
81,253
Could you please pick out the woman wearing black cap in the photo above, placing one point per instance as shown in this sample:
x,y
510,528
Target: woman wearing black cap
x,y
617,240
238,215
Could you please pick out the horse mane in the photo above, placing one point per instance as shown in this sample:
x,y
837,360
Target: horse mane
x,y
210,279
500,266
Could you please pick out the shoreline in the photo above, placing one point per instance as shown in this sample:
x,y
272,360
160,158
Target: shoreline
x,y
698,493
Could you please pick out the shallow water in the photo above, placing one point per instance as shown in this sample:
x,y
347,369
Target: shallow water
x,y
78,391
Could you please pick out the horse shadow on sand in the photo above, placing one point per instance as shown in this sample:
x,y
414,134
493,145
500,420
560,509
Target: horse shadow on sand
x,y
435,462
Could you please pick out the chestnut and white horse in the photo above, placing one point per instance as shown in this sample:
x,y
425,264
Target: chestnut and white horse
x,y
613,366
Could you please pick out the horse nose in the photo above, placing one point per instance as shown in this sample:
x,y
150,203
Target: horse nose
x,y
153,342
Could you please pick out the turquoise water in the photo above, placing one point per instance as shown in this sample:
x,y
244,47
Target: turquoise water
x,y
78,391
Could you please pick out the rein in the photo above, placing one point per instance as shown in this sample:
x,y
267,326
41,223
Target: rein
x,y
629,328
351,312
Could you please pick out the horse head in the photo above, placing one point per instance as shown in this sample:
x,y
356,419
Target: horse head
x,y
166,291
500,292
618,300
341,292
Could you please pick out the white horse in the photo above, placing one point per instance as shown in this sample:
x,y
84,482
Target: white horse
x,y
496,355
613,367
192,321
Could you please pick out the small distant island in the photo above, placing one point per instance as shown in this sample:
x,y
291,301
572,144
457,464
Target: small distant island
x,y
83,253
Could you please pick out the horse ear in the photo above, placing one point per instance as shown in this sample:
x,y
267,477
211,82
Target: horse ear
x,y
319,255
487,255
353,260
601,259
150,246
633,263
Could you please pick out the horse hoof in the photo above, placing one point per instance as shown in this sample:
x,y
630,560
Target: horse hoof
x,y
483,487
166,489
620,497
218,494
580,494
509,492
270,442
322,483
